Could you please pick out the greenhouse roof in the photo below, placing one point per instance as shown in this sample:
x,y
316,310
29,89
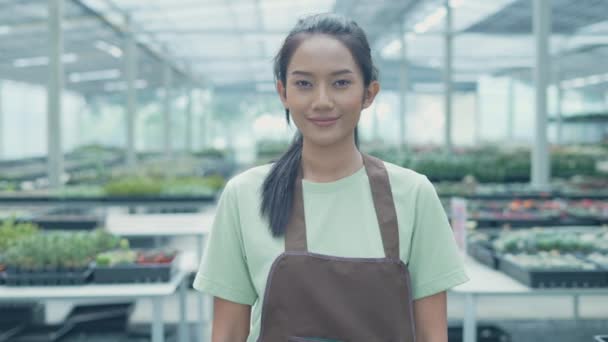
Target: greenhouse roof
x,y
229,44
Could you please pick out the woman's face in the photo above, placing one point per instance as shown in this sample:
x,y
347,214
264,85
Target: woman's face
x,y
324,91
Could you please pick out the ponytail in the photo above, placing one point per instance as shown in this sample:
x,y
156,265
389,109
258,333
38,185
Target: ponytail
x,y
278,187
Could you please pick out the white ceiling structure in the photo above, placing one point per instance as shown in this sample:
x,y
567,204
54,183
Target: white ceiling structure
x,y
229,44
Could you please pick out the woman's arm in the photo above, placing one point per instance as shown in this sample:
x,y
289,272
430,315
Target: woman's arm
x,y
230,321
430,316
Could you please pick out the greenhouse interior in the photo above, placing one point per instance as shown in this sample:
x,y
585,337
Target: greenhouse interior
x,y
122,121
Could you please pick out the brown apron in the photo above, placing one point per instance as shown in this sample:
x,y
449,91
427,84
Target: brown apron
x,y
314,297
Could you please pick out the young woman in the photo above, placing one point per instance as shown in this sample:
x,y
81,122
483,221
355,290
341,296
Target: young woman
x,y
328,243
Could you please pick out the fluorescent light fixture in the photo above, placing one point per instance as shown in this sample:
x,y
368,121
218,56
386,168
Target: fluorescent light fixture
x,y
42,60
70,58
29,62
5,30
392,48
108,48
456,3
435,17
97,75
121,86
581,82
430,21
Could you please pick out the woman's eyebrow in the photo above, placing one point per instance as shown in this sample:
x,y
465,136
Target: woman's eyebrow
x,y
302,73
340,72
334,73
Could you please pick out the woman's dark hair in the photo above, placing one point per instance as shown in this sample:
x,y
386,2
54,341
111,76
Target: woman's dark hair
x,y
278,187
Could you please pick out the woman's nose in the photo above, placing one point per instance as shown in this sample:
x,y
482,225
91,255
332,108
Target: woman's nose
x,y
323,98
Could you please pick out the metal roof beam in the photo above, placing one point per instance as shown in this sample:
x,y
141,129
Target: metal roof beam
x,y
122,30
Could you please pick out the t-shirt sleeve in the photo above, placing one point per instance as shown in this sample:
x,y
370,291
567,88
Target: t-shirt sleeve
x,y
223,271
435,263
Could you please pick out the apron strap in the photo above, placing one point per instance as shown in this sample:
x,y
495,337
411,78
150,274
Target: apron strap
x,y
384,205
295,233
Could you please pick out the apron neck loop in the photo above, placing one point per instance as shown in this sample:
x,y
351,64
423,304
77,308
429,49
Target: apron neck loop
x,y
295,233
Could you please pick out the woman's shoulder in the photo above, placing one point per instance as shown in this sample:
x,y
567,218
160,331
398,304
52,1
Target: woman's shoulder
x,y
253,176
403,176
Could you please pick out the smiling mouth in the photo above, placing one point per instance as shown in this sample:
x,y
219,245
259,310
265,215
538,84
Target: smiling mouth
x,y
324,121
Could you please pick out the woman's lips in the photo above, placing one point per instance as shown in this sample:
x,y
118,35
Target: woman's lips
x,y
324,122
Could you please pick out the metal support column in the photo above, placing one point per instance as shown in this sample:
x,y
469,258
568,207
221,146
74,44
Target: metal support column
x,y
560,106
1,125
189,147
511,111
477,123
131,75
447,76
576,307
167,80
541,172
203,318
54,93
376,126
183,329
402,89
203,133
158,329
469,331
209,129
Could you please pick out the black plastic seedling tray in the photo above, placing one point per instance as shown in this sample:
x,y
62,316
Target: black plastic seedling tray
x,y
16,277
483,253
69,219
496,222
100,317
589,218
554,278
144,331
135,273
8,332
43,333
485,333
173,210
23,312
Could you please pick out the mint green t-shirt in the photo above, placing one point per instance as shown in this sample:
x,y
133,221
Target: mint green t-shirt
x,y
340,221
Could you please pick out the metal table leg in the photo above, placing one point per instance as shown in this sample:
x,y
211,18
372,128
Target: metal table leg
x,y
576,307
469,328
183,331
200,297
158,330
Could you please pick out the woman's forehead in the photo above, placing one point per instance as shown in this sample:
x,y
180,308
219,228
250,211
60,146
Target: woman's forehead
x,y
321,54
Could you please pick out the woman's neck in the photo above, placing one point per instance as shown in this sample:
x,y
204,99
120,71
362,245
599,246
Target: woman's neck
x,y
327,164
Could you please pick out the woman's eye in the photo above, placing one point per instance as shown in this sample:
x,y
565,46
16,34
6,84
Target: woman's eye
x,y
303,84
342,83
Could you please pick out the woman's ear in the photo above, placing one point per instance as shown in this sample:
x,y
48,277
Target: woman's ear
x,y
282,93
370,93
